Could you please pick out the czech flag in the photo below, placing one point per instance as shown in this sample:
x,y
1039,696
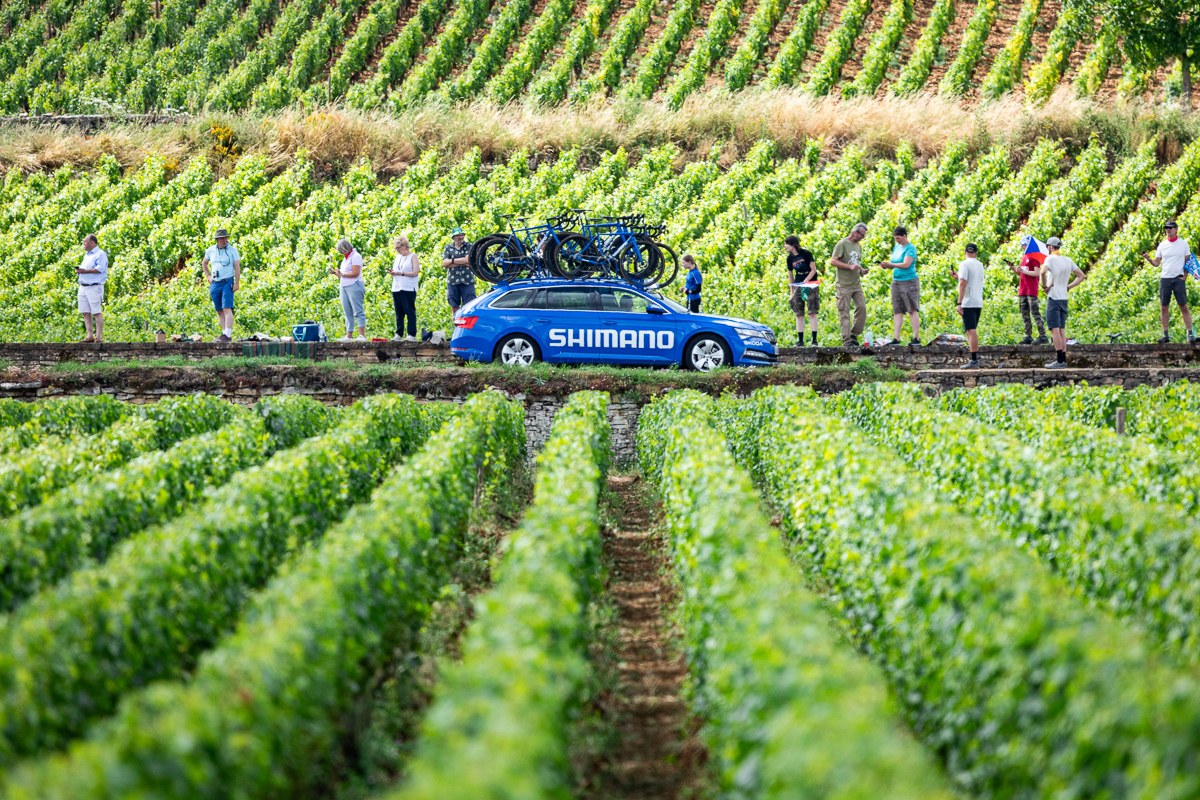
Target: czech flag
x,y
1034,248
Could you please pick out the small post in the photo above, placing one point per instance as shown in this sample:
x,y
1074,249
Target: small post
x,y
1120,420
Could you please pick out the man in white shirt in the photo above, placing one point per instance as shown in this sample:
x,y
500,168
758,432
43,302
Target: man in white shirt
x,y
1171,255
222,266
970,300
1057,274
92,272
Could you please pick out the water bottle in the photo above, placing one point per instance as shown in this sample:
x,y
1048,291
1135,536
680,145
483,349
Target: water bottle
x,y
869,338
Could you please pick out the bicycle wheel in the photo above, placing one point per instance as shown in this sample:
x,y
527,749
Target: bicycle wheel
x,y
495,258
640,262
573,256
670,265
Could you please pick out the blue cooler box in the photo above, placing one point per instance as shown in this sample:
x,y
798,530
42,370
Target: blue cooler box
x,y
306,333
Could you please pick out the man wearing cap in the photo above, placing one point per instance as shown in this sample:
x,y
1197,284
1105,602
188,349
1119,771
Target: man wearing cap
x,y
1057,272
1171,255
460,281
92,272
970,300
222,266
906,286
851,302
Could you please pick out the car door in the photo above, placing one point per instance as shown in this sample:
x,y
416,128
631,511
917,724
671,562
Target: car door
x,y
563,316
635,329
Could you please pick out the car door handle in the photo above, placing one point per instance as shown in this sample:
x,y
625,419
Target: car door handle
x,y
610,322
543,320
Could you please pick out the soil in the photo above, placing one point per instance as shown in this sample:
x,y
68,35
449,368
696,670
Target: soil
x,y
871,25
921,11
963,11
685,47
482,30
716,75
407,12
829,23
1002,28
591,62
657,755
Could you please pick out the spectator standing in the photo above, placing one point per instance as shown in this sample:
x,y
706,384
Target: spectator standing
x,y
851,303
1057,272
694,283
970,300
92,272
1029,273
1171,255
405,269
352,288
802,268
460,281
222,266
906,286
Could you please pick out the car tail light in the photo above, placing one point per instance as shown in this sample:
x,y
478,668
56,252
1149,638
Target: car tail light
x,y
465,322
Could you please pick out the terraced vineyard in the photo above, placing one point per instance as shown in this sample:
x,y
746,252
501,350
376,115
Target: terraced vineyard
x,y
154,221
125,55
369,601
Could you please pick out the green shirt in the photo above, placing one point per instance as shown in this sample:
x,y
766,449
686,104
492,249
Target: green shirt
x,y
848,252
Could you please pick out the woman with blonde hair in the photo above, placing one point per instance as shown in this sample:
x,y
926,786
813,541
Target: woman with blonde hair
x,y
405,269
353,290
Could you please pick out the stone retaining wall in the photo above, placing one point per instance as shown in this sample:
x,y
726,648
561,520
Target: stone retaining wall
x,y
1087,356
48,354
943,380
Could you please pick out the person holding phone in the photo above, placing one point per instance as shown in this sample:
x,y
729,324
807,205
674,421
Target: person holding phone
x,y
222,266
353,290
405,269
1029,275
906,286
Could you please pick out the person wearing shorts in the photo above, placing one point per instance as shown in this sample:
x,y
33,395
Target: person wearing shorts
x,y
906,286
1171,255
92,272
1057,274
803,300
460,281
970,300
222,267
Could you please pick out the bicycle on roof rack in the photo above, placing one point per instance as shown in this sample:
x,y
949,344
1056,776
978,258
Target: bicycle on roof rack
x,y
609,247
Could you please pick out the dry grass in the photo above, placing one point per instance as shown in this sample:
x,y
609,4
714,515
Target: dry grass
x,y
336,137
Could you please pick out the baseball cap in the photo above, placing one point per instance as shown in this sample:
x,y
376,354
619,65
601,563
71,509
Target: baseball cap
x,y
1169,224
971,248
1054,241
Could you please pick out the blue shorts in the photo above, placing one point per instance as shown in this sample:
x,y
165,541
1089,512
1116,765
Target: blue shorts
x,y
1056,313
221,293
459,294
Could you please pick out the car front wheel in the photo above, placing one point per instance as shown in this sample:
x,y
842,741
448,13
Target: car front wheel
x,y
517,351
705,353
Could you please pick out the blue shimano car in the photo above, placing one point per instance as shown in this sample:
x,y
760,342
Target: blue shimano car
x,y
602,322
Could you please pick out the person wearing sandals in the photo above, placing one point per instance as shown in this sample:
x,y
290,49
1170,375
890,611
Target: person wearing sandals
x,y
405,269
222,266
354,292
92,272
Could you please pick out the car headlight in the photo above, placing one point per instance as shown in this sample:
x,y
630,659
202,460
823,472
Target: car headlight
x,y
749,333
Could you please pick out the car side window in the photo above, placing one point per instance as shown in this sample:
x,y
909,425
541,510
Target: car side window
x,y
517,299
622,301
568,298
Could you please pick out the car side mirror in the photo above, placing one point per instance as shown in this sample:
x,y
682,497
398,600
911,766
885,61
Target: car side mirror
x,y
655,310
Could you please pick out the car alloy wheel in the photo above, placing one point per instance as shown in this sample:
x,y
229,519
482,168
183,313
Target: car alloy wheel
x,y
706,354
517,351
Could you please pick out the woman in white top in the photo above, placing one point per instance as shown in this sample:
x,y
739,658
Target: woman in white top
x,y
354,291
405,269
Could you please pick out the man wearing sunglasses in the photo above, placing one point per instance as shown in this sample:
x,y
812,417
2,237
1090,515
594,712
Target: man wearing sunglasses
x,y
1171,255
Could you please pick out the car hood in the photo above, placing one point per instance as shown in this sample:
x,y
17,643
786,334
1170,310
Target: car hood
x,y
740,323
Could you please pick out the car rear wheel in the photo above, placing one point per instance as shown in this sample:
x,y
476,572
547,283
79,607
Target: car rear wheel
x,y
706,352
516,350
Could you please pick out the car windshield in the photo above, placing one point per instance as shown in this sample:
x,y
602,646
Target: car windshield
x,y
671,304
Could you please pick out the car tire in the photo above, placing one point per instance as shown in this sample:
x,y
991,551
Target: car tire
x,y
706,352
517,350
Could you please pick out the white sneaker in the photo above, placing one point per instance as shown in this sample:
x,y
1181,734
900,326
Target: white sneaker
x,y
345,339
1056,364
410,338
399,338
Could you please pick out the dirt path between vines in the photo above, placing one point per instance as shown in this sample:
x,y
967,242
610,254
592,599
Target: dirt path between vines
x,y
657,754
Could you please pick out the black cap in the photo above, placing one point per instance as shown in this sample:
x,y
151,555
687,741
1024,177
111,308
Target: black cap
x,y
900,231
971,248
1169,224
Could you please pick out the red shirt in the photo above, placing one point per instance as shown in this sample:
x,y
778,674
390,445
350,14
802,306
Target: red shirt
x,y
1028,286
